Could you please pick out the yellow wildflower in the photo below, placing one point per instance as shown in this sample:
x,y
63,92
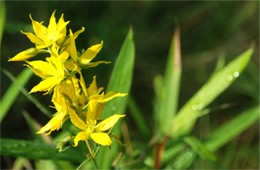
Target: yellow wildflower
x,y
44,37
95,131
95,108
85,59
64,96
52,72
97,100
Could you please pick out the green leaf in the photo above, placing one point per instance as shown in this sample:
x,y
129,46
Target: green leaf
x,y
234,127
220,137
167,102
198,147
138,118
18,84
220,81
2,20
13,91
120,81
35,151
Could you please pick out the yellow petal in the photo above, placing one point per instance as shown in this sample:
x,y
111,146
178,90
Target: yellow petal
x,y
101,138
45,85
54,124
99,110
74,36
82,84
91,112
71,66
90,53
76,120
63,56
80,136
108,123
41,68
34,39
52,23
72,48
95,64
111,95
61,25
92,90
39,29
61,28
24,55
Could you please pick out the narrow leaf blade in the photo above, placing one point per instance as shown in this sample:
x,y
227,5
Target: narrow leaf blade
x,y
219,82
168,100
35,151
13,91
120,81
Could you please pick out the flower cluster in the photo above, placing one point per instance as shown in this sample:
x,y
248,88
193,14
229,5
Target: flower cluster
x,y
62,77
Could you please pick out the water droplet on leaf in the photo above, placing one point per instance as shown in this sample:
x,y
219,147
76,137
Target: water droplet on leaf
x,y
236,74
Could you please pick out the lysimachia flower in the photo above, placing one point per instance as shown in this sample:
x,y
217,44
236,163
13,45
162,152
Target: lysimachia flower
x,y
95,108
84,60
71,98
65,96
44,37
51,71
97,132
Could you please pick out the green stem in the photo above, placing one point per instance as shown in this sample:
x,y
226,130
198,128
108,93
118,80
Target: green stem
x,y
92,155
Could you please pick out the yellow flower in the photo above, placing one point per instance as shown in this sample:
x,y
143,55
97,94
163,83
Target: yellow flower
x,y
64,96
95,108
52,72
61,106
44,37
95,131
84,60
97,100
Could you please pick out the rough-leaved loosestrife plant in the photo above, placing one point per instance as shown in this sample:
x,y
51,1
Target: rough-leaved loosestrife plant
x,y
70,96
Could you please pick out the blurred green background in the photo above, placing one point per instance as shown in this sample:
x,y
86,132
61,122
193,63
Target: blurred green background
x,y
208,30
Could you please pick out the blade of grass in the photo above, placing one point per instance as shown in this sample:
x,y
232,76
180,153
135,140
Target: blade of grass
x,y
2,20
120,81
168,100
138,118
35,126
234,127
198,147
35,151
18,86
220,81
220,137
13,91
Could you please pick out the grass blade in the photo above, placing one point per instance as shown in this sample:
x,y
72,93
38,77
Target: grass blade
x,y
120,81
138,118
198,147
168,100
220,81
220,137
19,85
234,127
13,91
35,151
2,20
